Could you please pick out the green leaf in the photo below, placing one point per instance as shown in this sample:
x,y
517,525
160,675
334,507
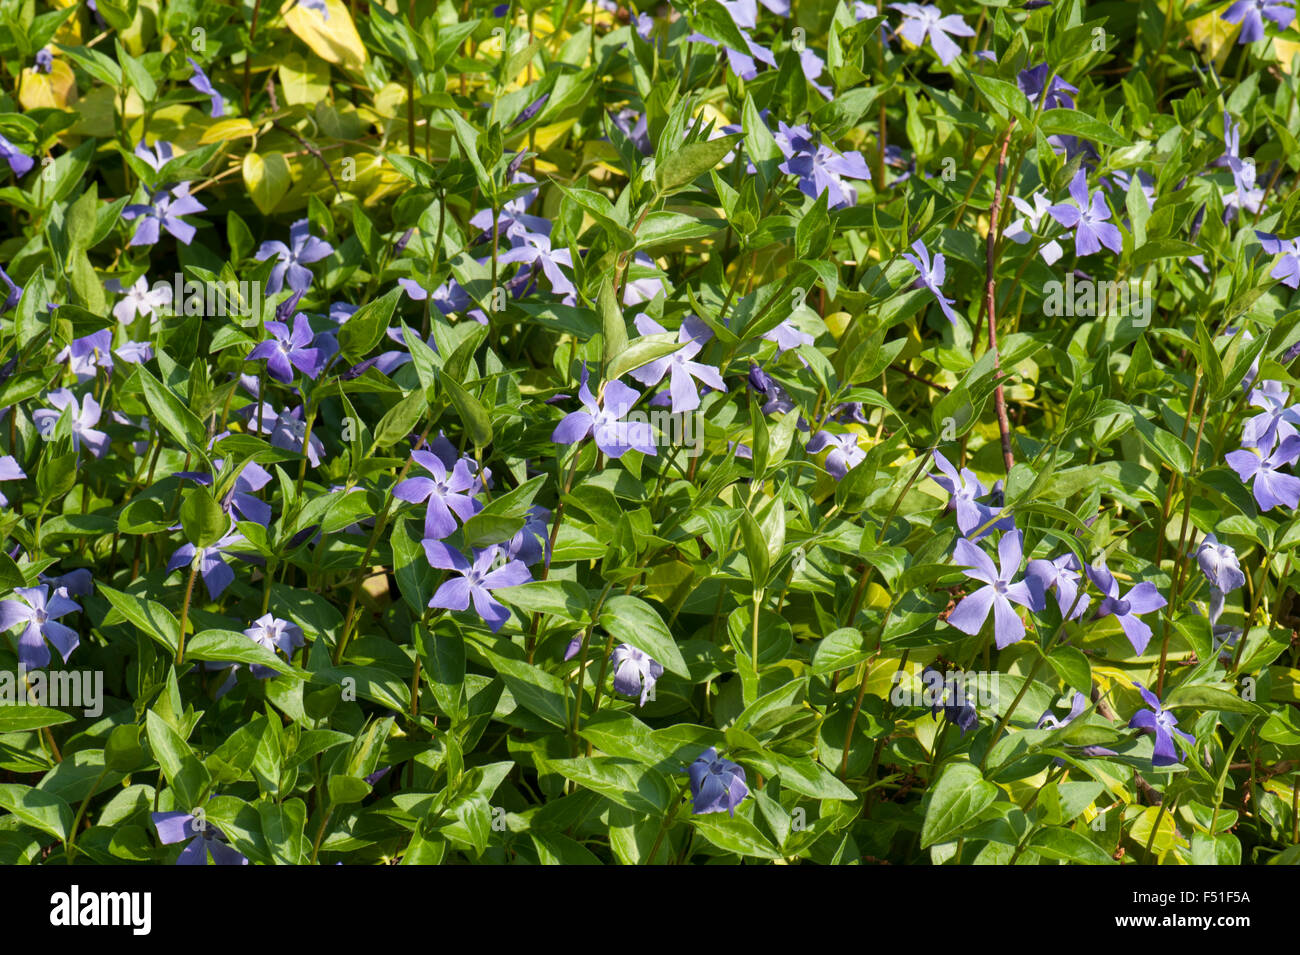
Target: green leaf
x,y
202,518
1057,843
231,646
683,166
38,809
1071,122
360,333
640,353
472,413
623,781
150,616
20,719
960,795
631,620
169,411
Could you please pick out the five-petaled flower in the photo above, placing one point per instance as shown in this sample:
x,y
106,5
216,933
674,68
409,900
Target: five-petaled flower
x,y
477,581
449,492
605,420
1141,599
999,592
1089,217
39,610
1161,722
292,259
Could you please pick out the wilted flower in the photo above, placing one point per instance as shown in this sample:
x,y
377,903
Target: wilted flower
x,y
40,610
716,784
635,672
1161,722
999,593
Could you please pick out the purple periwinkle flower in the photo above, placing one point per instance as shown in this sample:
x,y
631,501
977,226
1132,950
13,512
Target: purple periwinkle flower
x,y
447,491
1064,574
1271,487
1032,81
163,211
1161,722
1022,230
204,839
844,454
85,415
199,80
274,634
1141,599
605,420
999,592
1251,13
217,575
286,350
19,162
1089,218
291,268
819,168
318,5
716,784
965,489
44,61
477,581
534,249
932,276
39,611
635,672
679,366
926,20
85,356
1219,564
1287,269
9,471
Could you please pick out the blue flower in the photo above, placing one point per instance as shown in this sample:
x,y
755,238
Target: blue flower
x,y
716,784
